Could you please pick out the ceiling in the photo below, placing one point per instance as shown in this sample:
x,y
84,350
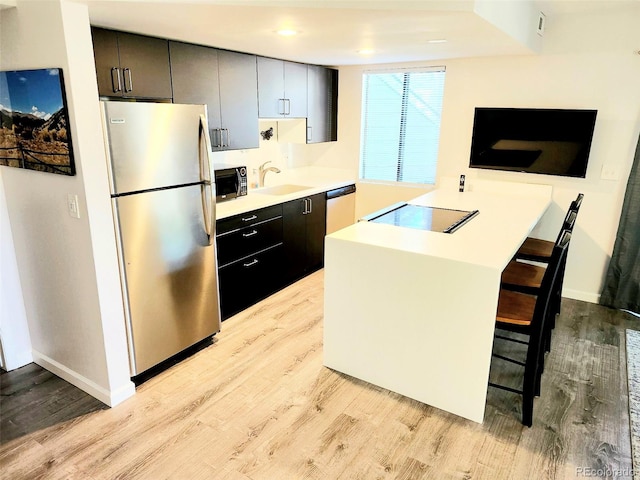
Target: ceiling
x,y
330,32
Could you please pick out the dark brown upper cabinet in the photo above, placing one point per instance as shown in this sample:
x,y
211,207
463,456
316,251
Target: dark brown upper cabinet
x,y
224,81
282,88
131,66
322,108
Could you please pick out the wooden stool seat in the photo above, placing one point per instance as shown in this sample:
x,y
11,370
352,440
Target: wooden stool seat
x,y
515,308
525,275
536,248
540,250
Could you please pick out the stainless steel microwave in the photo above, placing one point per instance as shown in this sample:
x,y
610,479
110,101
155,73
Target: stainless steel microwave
x,y
231,181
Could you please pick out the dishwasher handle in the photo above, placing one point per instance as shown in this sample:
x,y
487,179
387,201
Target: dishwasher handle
x,y
339,192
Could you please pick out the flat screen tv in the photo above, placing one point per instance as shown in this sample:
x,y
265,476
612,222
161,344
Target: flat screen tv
x,y
532,140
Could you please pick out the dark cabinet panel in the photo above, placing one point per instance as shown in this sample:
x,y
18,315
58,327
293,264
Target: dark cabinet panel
x,y
145,66
316,230
227,83
247,219
250,256
247,281
238,99
261,251
304,227
282,88
322,116
294,238
248,240
194,77
131,66
105,51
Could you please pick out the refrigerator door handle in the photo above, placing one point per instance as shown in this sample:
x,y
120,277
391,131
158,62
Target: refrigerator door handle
x,y
208,205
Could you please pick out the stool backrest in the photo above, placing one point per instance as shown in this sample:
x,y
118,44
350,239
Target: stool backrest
x,y
548,287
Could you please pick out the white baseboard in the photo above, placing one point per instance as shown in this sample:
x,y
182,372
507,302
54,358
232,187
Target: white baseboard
x,y
108,397
581,295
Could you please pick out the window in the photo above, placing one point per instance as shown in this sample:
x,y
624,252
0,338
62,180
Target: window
x,y
401,125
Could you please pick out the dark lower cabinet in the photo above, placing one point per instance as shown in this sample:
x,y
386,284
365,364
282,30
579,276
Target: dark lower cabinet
x,y
261,251
249,280
249,258
304,227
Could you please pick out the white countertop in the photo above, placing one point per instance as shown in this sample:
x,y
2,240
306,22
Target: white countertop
x,y
413,311
489,239
318,180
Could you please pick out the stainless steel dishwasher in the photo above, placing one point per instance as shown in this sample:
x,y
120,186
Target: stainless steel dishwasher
x,y
341,208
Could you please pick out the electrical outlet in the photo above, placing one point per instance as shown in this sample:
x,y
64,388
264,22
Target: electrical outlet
x,y
72,204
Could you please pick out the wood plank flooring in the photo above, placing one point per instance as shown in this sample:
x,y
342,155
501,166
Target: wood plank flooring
x,y
32,398
258,404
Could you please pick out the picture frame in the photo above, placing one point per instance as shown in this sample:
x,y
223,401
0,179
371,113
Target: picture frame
x,y
34,121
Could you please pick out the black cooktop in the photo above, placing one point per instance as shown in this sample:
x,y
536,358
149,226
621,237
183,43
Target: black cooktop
x,y
423,218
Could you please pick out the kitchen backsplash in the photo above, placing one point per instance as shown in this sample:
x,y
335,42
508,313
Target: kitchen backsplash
x,y
287,147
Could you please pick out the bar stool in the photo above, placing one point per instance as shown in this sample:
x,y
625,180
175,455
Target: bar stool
x,y
539,250
529,315
526,277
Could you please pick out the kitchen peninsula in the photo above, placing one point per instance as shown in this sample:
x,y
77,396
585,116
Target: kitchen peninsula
x,y
413,311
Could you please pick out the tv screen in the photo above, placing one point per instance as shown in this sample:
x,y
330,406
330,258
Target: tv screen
x,y
532,140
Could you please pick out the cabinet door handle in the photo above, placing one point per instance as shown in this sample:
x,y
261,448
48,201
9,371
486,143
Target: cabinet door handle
x,y
219,143
281,110
251,263
309,134
310,209
116,83
222,138
307,206
248,219
287,104
127,74
250,234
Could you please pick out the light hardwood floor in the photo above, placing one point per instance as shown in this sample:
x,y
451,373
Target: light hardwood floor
x,y
258,404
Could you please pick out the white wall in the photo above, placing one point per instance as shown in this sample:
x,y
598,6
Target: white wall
x,y
518,19
68,267
15,343
588,61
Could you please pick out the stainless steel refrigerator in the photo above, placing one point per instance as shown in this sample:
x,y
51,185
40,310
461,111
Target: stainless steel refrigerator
x,y
164,209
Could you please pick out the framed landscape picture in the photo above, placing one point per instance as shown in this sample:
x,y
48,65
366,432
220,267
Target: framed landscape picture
x,y
34,121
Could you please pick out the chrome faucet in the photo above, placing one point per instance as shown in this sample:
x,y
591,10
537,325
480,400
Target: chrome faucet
x,y
263,171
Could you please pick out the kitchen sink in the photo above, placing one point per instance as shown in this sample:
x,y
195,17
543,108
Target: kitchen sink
x,y
281,189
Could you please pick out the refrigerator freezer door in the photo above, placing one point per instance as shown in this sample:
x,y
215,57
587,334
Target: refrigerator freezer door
x,y
151,145
169,272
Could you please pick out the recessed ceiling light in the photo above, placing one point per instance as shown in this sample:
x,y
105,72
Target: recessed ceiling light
x,y
366,51
287,32
439,40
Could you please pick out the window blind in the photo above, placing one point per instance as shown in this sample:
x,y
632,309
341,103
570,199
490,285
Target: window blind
x,y
400,133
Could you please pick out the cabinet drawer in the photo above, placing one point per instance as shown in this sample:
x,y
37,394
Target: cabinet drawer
x,y
236,222
249,280
245,241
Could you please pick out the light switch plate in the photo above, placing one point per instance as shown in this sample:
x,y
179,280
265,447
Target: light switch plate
x,y
609,172
542,20
72,204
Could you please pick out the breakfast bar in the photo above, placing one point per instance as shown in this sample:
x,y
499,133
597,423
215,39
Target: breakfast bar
x,y
413,310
